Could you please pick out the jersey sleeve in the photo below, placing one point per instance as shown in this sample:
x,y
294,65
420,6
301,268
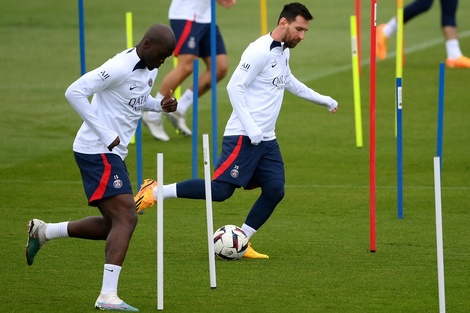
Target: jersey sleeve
x,y
301,90
294,86
153,104
251,64
101,78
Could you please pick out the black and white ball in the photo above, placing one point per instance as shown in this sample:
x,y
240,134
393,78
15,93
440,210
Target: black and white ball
x,y
230,242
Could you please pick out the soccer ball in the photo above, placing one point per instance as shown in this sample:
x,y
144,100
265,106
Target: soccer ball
x,y
230,242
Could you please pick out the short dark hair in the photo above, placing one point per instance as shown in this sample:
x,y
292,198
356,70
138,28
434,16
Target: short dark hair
x,y
294,9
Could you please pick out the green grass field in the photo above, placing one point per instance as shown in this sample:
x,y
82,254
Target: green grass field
x,y
318,237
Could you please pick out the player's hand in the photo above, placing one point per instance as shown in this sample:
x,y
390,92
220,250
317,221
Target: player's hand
x,y
334,105
169,104
115,143
256,137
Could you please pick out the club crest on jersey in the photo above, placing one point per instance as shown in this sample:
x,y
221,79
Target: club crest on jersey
x,y
234,172
150,82
245,67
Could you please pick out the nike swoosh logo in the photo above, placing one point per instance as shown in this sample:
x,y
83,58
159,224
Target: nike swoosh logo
x,y
132,87
273,65
109,270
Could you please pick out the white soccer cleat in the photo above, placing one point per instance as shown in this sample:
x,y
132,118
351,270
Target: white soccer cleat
x,y
111,302
155,127
179,122
36,239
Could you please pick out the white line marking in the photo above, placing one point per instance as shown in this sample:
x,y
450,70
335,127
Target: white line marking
x,y
312,186
378,187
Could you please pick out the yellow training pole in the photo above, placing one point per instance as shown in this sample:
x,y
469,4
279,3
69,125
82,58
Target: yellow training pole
x,y
399,56
177,92
399,63
264,16
130,44
356,82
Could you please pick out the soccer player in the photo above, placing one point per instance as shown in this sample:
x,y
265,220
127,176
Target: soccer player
x,y
121,91
191,22
250,155
455,58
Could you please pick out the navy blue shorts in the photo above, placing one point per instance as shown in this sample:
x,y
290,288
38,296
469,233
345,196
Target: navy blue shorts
x,y
247,165
195,38
448,10
104,175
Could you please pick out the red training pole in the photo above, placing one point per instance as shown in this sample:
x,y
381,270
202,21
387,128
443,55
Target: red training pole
x,y
373,31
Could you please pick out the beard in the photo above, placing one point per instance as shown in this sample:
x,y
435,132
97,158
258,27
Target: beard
x,y
291,43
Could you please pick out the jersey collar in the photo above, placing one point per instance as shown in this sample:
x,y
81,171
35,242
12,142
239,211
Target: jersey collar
x,y
275,44
139,65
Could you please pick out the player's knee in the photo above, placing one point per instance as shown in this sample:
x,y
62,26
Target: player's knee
x,y
186,69
130,219
203,87
125,222
424,5
448,20
275,189
222,66
133,220
221,191
221,73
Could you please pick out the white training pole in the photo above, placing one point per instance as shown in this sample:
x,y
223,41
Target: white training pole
x,y
160,231
440,246
210,226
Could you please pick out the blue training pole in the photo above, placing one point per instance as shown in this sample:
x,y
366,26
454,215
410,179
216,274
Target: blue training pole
x,y
440,111
195,114
398,97
214,84
81,29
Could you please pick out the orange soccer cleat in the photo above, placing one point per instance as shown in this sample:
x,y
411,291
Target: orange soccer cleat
x,y
462,62
252,254
381,42
144,198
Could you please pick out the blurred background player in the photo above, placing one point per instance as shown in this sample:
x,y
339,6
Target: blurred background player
x,y
455,58
121,91
251,156
190,21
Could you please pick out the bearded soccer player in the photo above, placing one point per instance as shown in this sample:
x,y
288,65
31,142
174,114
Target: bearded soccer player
x,y
251,156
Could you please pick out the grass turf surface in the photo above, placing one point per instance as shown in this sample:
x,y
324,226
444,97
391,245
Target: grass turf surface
x,y
318,237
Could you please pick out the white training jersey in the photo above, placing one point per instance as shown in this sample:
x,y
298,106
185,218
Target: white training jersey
x,y
121,90
256,89
192,10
